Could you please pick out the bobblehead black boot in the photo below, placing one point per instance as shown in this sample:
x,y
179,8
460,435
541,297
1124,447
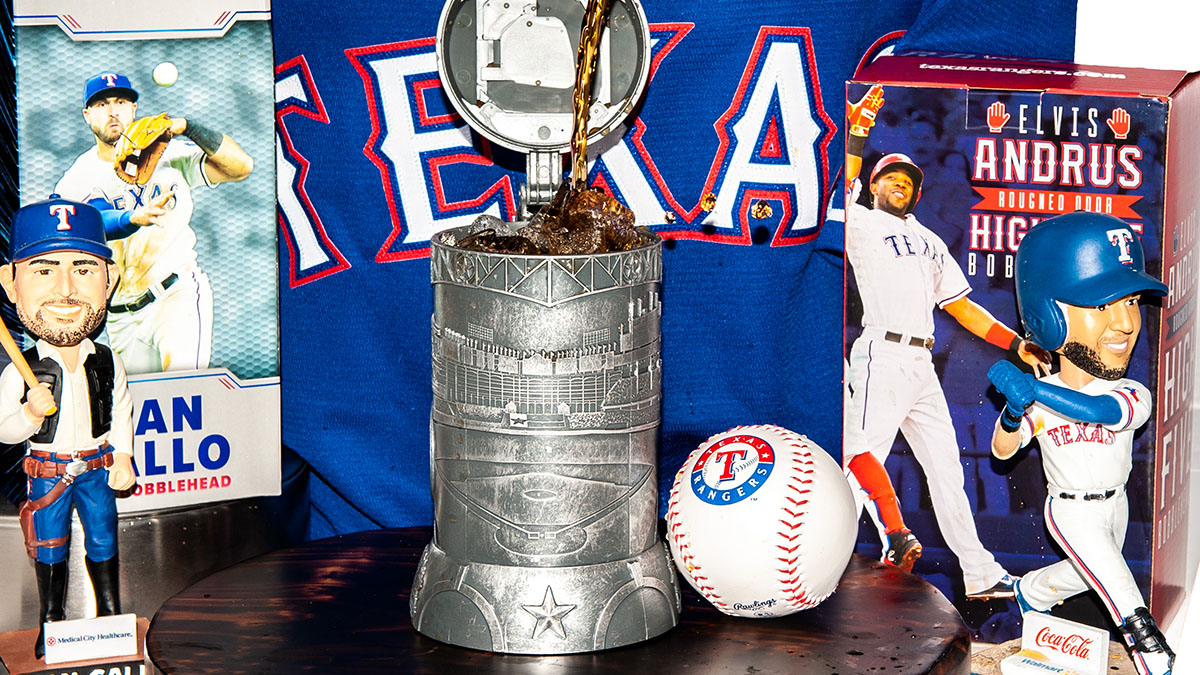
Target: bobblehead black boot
x,y
52,594
106,582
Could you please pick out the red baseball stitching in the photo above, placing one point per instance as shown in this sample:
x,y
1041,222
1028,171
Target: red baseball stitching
x,y
681,544
791,578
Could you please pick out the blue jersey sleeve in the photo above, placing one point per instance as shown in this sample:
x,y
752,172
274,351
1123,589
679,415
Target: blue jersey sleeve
x,y
1076,405
116,223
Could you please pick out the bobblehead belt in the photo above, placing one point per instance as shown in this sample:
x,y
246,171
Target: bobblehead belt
x,y
43,464
899,338
145,298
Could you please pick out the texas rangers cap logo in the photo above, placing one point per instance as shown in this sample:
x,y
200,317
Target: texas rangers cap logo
x,y
732,469
1121,238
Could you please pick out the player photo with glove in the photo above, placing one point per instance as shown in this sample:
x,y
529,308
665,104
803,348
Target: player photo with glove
x,y
1080,279
140,174
904,271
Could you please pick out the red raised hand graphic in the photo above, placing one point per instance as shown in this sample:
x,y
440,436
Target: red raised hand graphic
x,y
997,117
1119,123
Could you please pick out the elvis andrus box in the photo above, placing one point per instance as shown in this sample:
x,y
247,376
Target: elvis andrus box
x,y
989,149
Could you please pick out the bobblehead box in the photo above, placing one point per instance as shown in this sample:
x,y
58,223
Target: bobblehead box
x,y
1000,146
194,315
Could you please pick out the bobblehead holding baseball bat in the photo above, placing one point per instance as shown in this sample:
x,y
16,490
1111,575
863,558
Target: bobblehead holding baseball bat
x,y
61,282
1080,281
38,391
60,279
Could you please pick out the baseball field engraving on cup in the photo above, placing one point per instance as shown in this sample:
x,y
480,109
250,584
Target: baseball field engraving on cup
x,y
547,392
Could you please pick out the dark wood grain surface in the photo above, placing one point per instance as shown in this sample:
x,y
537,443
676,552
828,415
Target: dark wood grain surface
x,y
340,605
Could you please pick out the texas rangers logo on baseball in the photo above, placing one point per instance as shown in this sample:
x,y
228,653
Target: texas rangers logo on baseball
x,y
732,469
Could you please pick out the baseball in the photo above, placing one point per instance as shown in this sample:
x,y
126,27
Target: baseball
x,y
165,74
761,522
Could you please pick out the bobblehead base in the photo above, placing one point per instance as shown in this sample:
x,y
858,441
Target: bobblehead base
x,y
16,658
985,151
988,661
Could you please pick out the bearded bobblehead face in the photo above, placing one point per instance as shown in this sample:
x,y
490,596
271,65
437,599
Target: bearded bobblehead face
x,y
61,297
1100,340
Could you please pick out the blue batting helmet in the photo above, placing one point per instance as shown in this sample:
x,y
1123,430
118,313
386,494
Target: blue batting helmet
x,y
1083,259
57,224
108,84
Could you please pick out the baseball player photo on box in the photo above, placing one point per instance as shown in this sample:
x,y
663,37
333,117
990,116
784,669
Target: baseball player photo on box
x,y
1051,483
168,130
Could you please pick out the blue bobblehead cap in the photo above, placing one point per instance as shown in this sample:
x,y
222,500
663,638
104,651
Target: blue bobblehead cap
x,y
1084,259
57,224
108,84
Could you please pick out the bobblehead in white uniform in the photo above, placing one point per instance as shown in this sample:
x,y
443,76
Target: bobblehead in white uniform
x,y
903,271
1082,459
1079,281
1087,510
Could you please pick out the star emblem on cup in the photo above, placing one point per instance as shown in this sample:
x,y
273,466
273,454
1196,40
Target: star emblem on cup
x,y
549,615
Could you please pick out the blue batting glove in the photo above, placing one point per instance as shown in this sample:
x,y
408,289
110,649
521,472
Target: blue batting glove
x,y
1016,386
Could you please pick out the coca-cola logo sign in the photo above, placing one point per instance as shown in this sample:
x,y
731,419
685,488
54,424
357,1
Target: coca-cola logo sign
x,y
1066,644
1071,644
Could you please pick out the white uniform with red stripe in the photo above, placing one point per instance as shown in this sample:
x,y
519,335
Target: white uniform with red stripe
x,y
904,271
1082,459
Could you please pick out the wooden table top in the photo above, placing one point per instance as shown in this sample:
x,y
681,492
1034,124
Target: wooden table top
x,y
340,605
